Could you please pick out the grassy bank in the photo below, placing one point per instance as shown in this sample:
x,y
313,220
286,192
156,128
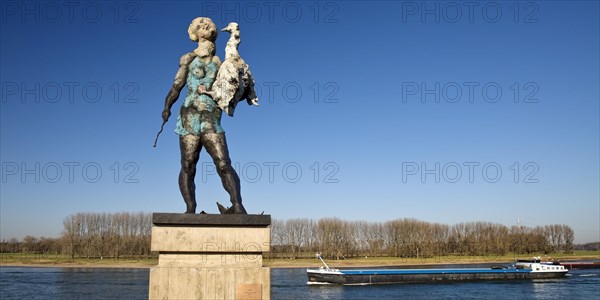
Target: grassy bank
x,y
38,260
59,260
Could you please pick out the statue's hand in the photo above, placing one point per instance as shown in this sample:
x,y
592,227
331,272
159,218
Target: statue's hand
x,y
166,114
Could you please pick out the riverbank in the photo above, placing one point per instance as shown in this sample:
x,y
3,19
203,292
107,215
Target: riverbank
x,y
79,264
59,261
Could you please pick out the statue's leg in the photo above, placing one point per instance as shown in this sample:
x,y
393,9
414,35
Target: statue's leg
x,y
216,146
190,147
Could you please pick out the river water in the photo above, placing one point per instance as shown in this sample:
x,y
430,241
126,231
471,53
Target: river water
x,y
96,283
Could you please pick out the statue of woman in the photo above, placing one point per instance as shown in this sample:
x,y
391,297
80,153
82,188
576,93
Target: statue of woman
x,y
199,121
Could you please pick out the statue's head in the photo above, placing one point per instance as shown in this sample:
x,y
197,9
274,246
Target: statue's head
x,y
202,28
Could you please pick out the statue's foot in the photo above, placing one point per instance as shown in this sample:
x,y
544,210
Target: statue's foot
x,y
239,209
254,102
191,207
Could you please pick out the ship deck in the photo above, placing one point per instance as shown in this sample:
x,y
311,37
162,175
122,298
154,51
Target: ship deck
x,y
429,271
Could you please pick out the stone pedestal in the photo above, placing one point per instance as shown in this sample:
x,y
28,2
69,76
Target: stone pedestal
x,y
210,256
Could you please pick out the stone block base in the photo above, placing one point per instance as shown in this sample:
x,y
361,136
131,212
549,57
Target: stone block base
x,y
210,257
210,283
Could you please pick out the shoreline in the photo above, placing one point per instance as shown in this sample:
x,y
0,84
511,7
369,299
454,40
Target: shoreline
x,y
76,265
276,264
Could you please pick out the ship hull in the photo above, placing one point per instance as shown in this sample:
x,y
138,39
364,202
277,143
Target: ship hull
x,y
353,277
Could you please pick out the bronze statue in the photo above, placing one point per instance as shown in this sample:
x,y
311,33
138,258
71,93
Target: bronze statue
x,y
199,120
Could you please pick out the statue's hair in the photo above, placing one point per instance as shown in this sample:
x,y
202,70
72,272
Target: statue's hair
x,y
202,28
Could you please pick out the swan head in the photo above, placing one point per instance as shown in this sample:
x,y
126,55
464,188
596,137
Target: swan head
x,y
232,27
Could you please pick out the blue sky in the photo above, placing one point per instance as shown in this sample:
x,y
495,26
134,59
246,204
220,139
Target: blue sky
x,y
439,111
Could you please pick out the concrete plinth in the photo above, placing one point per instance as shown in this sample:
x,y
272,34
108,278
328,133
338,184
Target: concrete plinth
x,y
210,256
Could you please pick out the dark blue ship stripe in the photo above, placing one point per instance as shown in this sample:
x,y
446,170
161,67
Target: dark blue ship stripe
x,y
432,271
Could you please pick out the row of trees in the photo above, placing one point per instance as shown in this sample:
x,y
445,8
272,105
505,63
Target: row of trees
x,y
335,238
93,235
107,235
31,244
594,246
127,235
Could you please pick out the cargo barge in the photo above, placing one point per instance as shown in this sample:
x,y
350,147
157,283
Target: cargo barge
x,y
581,264
521,269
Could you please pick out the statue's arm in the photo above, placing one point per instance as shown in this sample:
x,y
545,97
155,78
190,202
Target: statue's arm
x,y
178,84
